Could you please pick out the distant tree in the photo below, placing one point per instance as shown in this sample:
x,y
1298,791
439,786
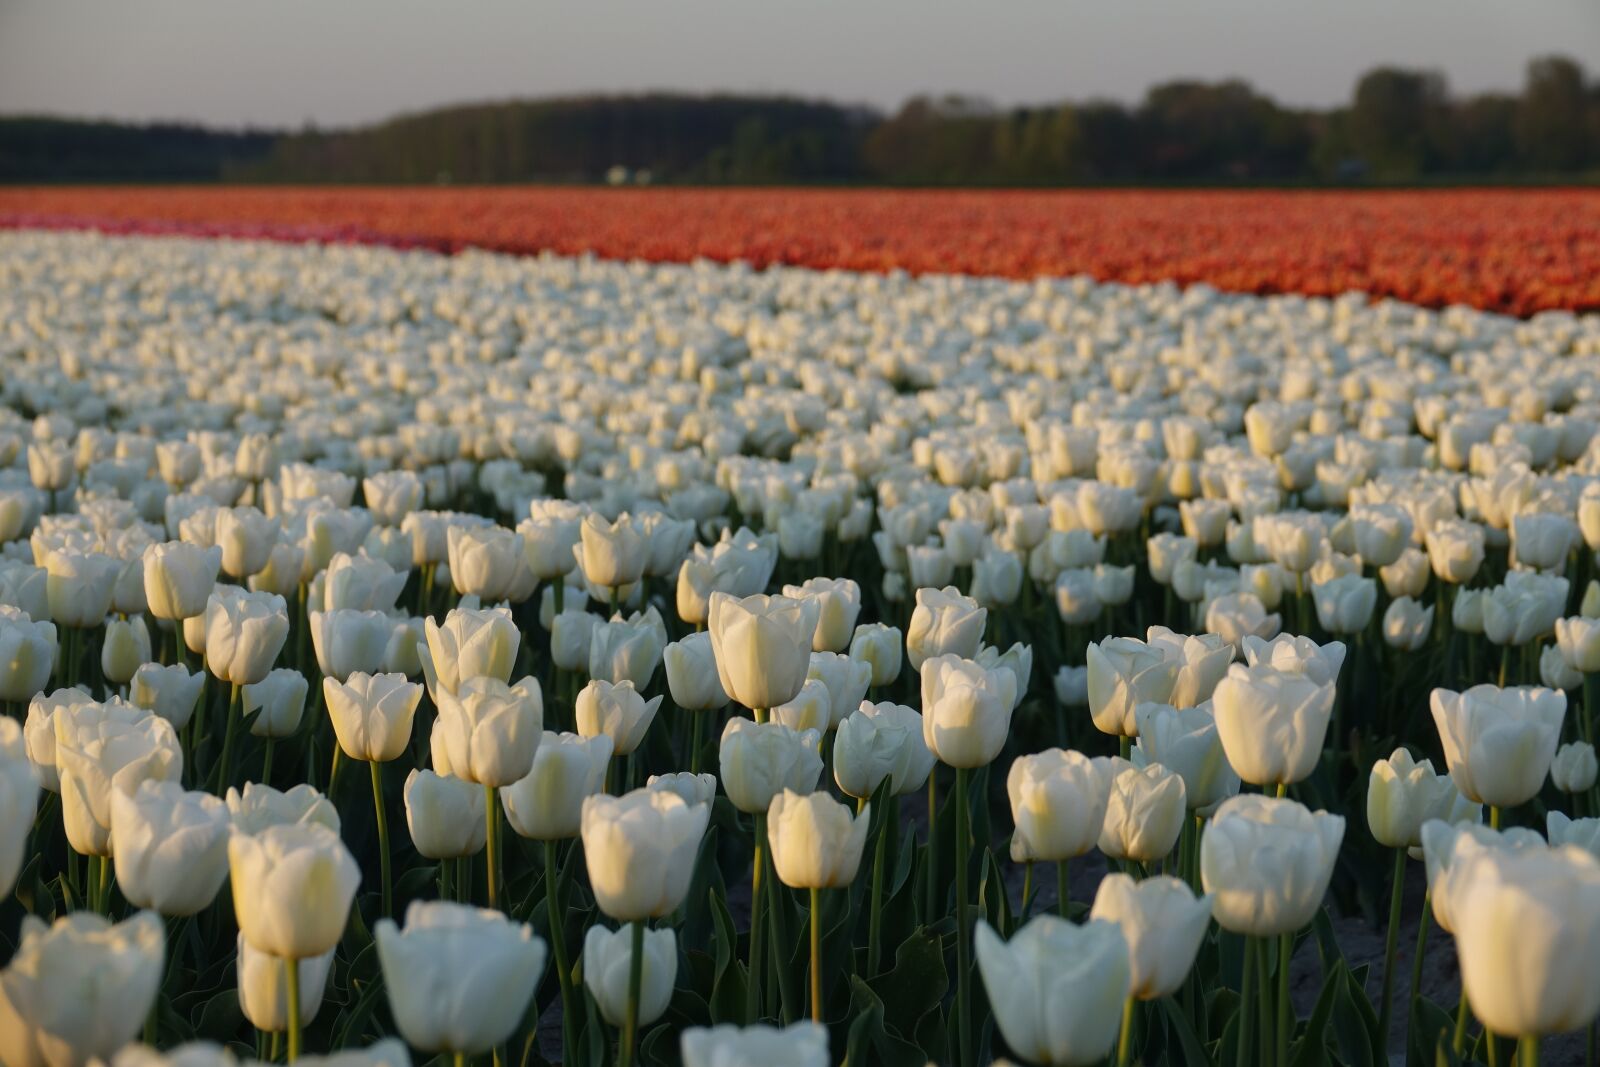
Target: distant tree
x,y
1552,120
1393,117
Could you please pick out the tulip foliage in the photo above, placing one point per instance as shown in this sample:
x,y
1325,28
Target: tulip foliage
x,y
559,661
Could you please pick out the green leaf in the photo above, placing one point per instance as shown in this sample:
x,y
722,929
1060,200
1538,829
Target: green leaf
x,y
1312,1048
916,984
220,1018
726,999
1194,1053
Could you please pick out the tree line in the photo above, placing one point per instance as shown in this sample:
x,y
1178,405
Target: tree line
x,y
1400,126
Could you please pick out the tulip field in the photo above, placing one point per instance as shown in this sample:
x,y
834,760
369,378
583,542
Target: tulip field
x,y
477,659
1510,250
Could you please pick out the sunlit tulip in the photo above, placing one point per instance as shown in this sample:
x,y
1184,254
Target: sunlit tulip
x,y
78,990
816,842
1574,768
692,677
292,888
244,633
547,803
996,579
1202,662
490,730
944,623
1579,640
618,711
640,850
258,806
881,647
692,787
1499,743
170,692
838,604
171,847
469,644
1240,617
878,741
1382,532
801,1044
757,761
607,960
1554,672
1407,625
611,554
811,709
264,986
1455,550
1344,604
966,710
762,646
27,656
392,495
1267,863
372,714
1272,723
1124,672
1185,741
444,815
1518,918
278,702
99,755
549,536
458,978
79,587
1542,540
1402,794
1018,659
625,650
1163,922
1057,989
1302,655
1406,576
484,560
1445,847
1145,812
246,537
19,799
1583,833
349,641
1058,804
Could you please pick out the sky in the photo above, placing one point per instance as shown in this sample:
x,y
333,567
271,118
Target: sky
x,y
339,62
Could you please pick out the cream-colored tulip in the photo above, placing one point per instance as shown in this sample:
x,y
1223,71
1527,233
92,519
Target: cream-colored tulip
x,y
1272,723
607,960
1145,813
640,849
762,646
488,730
372,714
1267,863
292,888
1402,794
1124,672
1185,740
1163,922
618,711
547,803
966,710
445,815
816,842
263,981
760,760
171,847
1499,743
1058,804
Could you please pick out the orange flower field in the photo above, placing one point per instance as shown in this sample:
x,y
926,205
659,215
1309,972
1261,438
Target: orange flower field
x,y
1516,251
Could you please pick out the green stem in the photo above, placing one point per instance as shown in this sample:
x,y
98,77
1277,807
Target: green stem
x,y
230,729
1391,947
491,834
104,891
291,975
1528,1051
1027,891
878,851
266,762
383,839
1416,961
963,922
757,915
1247,1006
1494,817
1285,1009
1264,1018
1125,1041
933,909
558,940
460,1059
1463,1014
1505,663
816,954
630,1022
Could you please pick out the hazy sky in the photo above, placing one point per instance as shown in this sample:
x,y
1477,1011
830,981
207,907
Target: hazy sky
x,y
282,62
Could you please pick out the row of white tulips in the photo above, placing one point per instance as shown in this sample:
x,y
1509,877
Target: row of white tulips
x,y
577,606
